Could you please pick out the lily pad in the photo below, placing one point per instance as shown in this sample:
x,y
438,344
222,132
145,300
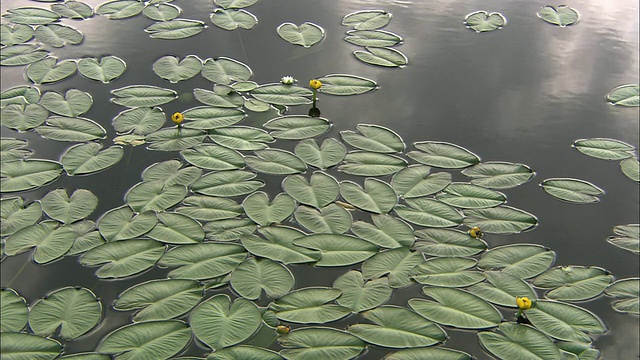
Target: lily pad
x,y
307,34
13,34
386,231
229,230
161,12
519,341
117,9
232,19
28,174
171,69
107,69
175,29
573,283
211,117
338,249
88,158
73,129
213,157
562,15
258,207
372,38
364,163
139,121
418,181
344,85
15,214
23,94
252,276
227,183
222,96
122,223
448,272
469,196
149,339
74,103
482,21
21,54
123,258
73,10
59,206
499,175
297,127
280,94
223,70
175,228
605,149
154,195
429,212
329,154
203,261
49,70
360,295
171,172
447,242
277,244
631,168
373,138
626,293
14,311
209,208
57,35
625,95
319,191
627,237
241,138
309,306
331,219
396,264
367,19
320,343
23,117
520,260
375,196
25,346
565,321
572,190
168,139
29,15
276,162
443,155
382,56
429,353
502,289
142,95
501,220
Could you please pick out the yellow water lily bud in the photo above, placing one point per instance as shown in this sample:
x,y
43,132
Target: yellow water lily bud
x,y
475,232
283,329
315,84
177,118
523,303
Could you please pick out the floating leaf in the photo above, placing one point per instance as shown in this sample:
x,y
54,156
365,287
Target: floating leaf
x,y
627,293
23,117
50,241
309,306
331,219
74,103
15,34
359,295
223,70
501,220
235,4
149,339
307,34
87,237
258,207
605,149
624,95
57,35
297,127
50,313
519,342
171,172
106,70
241,137
280,94
174,139
203,261
252,276
319,191
628,237
373,138
469,196
28,174
482,21
564,321
499,175
23,94
375,196
429,212
21,54
573,282
142,95
14,311
162,299
176,228
220,323
139,121
231,19
120,9
396,264
397,327
123,258
244,352
161,12
562,15
122,224
447,272
211,117
456,308
520,260
343,85
320,343
447,242
59,206
213,157
631,168
338,249
49,70
372,38
329,154
382,56
223,96
15,214
367,19
227,183
417,181
73,10
502,289
572,190
386,231
30,15
13,149
88,158
276,162
363,163
443,155
169,68
229,230
432,353
16,345
278,245
62,128
209,208
154,195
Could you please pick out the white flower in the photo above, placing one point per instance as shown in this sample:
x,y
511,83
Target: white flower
x,y
288,80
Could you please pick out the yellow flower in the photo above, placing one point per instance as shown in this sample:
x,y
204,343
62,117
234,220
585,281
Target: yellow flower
x,y
315,84
177,118
283,329
523,303
475,232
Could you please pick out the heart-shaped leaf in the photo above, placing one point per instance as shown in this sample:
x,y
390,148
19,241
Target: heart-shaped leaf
x,y
149,339
231,19
482,21
252,276
28,174
519,342
59,206
263,212
276,162
396,264
74,103
306,34
338,249
373,138
107,69
223,70
278,245
382,56
297,127
499,175
116,10
169,68
447,242
572,190
23,117
360,295
625,95
429,212
88,158
367,19
376,196
309,306
142,95
364,163
241,137
331,219
562,15
49,70
418,181
520,260
329,154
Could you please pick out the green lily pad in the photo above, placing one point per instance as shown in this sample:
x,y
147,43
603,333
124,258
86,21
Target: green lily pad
x,y
23,117
482,21
50,313
382,56
174,70
456,308
469,196
573,282
562,15
280,94
149,339
105,70
375,196
432,353
627,237
605,149
23,94
241,138
161,12
28,174
123,258
232,19
367,19
59,206
343,85
213,157
168,139
29,15
372,38
175,29
139,121
331,219
252,276
276,162
517,341
631,168
418,181
373,138
319,191
329,154
142,95
49,70
447,272
25,346
116,9
297,127
360,295
211,117
337,249
447,242
21,54
12,149
74,103
309,306
223,70
171,172
227,183
209,208
572,190
175,228
520,260
73,10
154,195
499,175
57,35
228,229
203,261
320,343
264,212
74,129
502,289
364,163
277,244
501,220
565,321
625,95
429,212
307,34
87,158
386,231
13,34
443,155
626,293
122,223
396,264
15,214
14,311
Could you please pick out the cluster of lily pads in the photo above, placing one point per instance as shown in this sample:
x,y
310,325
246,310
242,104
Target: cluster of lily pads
x,y
483,21
231,251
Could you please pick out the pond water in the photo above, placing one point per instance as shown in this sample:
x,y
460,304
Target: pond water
x,y
520,94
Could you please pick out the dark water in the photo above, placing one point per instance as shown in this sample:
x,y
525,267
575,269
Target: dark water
x,y
521,94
